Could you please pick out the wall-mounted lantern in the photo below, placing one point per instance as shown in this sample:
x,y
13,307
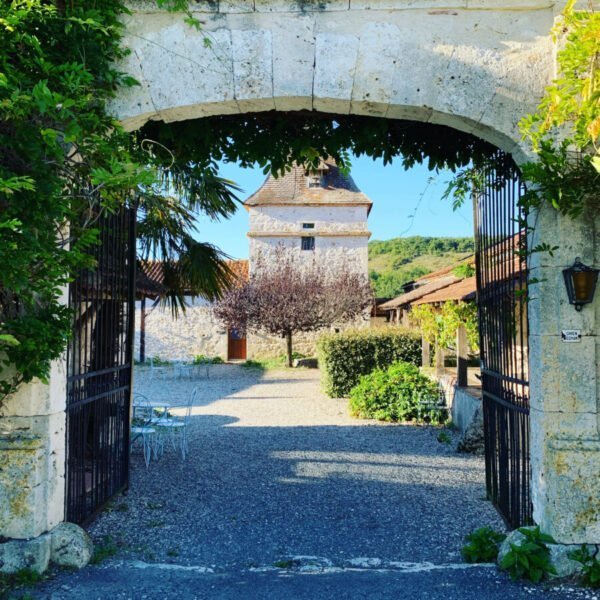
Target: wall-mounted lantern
x,y
580,281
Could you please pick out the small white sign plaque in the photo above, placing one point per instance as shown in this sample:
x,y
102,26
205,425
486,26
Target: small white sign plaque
x,y
570,335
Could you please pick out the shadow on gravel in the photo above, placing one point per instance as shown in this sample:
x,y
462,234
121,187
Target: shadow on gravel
x,y
254,495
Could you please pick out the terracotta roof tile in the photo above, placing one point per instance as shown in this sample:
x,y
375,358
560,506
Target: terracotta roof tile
x,y
292,188
150,276
409,297
465,289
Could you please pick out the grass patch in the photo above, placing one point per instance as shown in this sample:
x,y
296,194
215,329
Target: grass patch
x,y
264,364
284,564
106,548
25,578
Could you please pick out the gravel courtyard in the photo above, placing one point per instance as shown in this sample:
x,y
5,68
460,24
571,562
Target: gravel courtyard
x,y
278,470
284,496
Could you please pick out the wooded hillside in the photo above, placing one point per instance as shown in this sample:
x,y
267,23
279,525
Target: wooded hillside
x,y
394,262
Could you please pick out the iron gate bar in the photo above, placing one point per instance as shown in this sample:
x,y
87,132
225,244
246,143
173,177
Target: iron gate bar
x,y
100,359
501,282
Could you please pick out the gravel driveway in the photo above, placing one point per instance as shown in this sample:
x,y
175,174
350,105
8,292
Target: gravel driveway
x,y
281,480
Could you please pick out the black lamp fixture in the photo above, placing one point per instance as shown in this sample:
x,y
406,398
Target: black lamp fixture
x,y
580,281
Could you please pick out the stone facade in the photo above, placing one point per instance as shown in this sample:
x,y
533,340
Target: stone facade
x,y
483,64
194,332
565,384
324,207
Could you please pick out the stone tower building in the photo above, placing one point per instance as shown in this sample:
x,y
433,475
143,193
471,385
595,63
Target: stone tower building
x,y
322,215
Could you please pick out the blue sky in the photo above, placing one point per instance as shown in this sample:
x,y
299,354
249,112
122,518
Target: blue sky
x,y
396,194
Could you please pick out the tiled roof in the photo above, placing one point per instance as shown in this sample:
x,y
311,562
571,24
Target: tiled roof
x,y
292,188
461,290
150,276
433,286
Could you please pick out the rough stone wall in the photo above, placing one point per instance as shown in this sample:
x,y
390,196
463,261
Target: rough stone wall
x,y
32,457
341,235
193,333
564,380
482,63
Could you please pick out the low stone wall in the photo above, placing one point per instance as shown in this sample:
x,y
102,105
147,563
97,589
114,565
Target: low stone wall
x,y
197,331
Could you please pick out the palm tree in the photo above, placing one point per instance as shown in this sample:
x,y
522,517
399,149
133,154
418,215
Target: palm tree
x,y
167,222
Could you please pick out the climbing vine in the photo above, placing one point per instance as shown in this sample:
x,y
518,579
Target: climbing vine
x,y
439,324
63,157
564,131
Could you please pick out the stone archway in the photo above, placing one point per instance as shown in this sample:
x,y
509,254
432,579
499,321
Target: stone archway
x,y
476,66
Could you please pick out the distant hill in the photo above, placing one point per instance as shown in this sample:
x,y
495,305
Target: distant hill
x,y
394,262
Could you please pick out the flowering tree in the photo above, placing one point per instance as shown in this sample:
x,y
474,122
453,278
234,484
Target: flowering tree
x,y
285,296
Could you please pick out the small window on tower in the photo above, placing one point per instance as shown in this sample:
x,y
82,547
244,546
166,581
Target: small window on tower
x,y
314,180
308,225
308,243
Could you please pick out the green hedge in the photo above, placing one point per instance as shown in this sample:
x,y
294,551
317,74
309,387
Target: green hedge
x,y
344,357
393,394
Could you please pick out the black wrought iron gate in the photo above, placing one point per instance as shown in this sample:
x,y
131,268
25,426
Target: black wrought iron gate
x,y
501,285
99,363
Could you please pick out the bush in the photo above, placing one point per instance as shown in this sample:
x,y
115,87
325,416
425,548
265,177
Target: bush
x,y
344,357
392,394
483,545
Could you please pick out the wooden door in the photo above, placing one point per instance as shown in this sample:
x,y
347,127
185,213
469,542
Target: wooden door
x,y
236,347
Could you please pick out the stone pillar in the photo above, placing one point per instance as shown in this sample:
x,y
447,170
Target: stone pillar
x,y
564,377
425,353
462,356
32,463
439,359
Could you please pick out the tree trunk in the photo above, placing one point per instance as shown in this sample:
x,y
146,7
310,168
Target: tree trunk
x,y
288,336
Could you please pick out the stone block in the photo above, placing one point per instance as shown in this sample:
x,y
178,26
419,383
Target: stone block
x,y
378,53
71,546
37,398
236,6
293,62
33,554
253,69
22,480
335,66
186,69
300,5
573,491
563,376
406,4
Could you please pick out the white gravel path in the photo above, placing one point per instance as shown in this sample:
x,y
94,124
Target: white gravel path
x,y
277,470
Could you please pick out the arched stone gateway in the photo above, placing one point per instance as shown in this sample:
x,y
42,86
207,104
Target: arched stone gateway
x,y
475,65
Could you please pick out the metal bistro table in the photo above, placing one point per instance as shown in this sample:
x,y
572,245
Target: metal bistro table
x,y
145,428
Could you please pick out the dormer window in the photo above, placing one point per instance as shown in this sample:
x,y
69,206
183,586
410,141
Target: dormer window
x,y
314,180
308,225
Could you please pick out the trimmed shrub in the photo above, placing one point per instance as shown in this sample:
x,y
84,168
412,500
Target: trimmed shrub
x,y
344,357
392,394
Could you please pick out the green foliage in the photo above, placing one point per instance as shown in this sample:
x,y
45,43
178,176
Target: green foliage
x,y
392,394
590,571
274,140
440,323
106,548
443,437
9,583
463,271
531,558
395,262
65,163
344,357
202,359
482,545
